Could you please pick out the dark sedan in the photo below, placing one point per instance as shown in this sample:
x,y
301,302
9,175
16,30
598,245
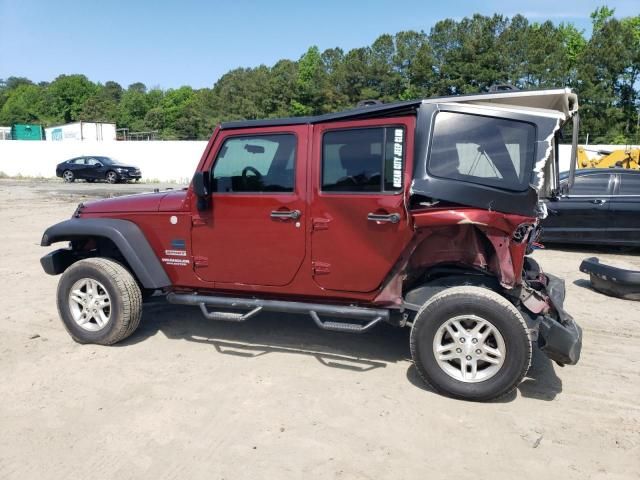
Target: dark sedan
x,y
602,207
97,168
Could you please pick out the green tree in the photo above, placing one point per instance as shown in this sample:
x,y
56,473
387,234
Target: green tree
x,y
24,104
607,79
308,87
414,62
103,105
600,16
280,90
66,95
133,107
357,85
546,64
384,80
335,89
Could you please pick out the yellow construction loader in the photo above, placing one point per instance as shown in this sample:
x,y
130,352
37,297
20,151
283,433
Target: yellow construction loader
x,y
623,158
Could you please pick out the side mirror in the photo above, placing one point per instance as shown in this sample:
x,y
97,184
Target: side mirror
x,y
97,165
201,189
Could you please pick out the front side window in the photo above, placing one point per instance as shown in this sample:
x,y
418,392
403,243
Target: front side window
x,y
596,185
260,163
488,151
363,160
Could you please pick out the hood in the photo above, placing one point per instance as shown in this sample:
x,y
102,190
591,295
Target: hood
x,y
141,202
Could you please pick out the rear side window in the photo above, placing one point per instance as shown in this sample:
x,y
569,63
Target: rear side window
x,y
597,184
254,164
363,160
488,151
629,185
77,161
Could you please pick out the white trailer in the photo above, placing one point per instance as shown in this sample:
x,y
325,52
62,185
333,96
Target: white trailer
x,y
82,131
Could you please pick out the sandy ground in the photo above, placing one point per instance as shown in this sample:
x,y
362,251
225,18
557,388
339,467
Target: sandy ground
x,y
278,398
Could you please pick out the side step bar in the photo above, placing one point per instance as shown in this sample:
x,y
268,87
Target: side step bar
x,y
254,306
228,316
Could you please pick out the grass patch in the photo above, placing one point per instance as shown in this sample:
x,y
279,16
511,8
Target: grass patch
x,y
3,175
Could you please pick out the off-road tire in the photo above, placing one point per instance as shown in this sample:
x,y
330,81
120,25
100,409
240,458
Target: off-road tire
x,y
125,300
491,306
68,176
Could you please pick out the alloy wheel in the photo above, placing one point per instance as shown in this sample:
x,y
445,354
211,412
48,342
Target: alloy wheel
x,y
469,348
90,304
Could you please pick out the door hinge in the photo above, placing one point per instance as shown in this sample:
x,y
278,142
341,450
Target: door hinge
x,y
320,223
200,262
320,268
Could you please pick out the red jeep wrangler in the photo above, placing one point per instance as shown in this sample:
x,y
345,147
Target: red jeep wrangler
x,y
419,213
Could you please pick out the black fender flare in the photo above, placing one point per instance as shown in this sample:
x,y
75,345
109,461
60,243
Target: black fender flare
x,y
127,237
419,294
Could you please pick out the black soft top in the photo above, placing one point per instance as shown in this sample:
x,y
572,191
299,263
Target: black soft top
x,y
560,99
372,111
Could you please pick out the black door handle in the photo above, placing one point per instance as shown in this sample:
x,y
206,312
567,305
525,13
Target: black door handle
x,y
391,217
598,201
286,214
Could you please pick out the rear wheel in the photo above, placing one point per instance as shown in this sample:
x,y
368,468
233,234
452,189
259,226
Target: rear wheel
x,y
112,177
99,301
470,343
68,176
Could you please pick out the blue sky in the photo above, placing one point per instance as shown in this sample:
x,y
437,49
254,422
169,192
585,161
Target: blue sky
x,y
193,42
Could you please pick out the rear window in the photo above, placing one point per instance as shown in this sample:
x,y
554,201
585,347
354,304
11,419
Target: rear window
x,y
629,185
363,160
488,151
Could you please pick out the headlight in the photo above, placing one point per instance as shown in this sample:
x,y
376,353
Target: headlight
x,y
120,170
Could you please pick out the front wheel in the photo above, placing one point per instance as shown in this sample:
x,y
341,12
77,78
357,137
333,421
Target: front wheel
x,y
112,177
99,301
470,343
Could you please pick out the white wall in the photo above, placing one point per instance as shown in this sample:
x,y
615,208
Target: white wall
x,y
164,161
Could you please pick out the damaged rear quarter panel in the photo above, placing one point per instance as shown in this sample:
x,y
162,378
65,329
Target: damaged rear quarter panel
x,y
476,238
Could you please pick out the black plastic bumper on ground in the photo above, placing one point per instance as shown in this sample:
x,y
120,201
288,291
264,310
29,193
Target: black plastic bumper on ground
x,y
612,280
561,343
560,339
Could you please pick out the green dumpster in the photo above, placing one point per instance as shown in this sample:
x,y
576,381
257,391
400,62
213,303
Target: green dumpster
x,y
21,131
